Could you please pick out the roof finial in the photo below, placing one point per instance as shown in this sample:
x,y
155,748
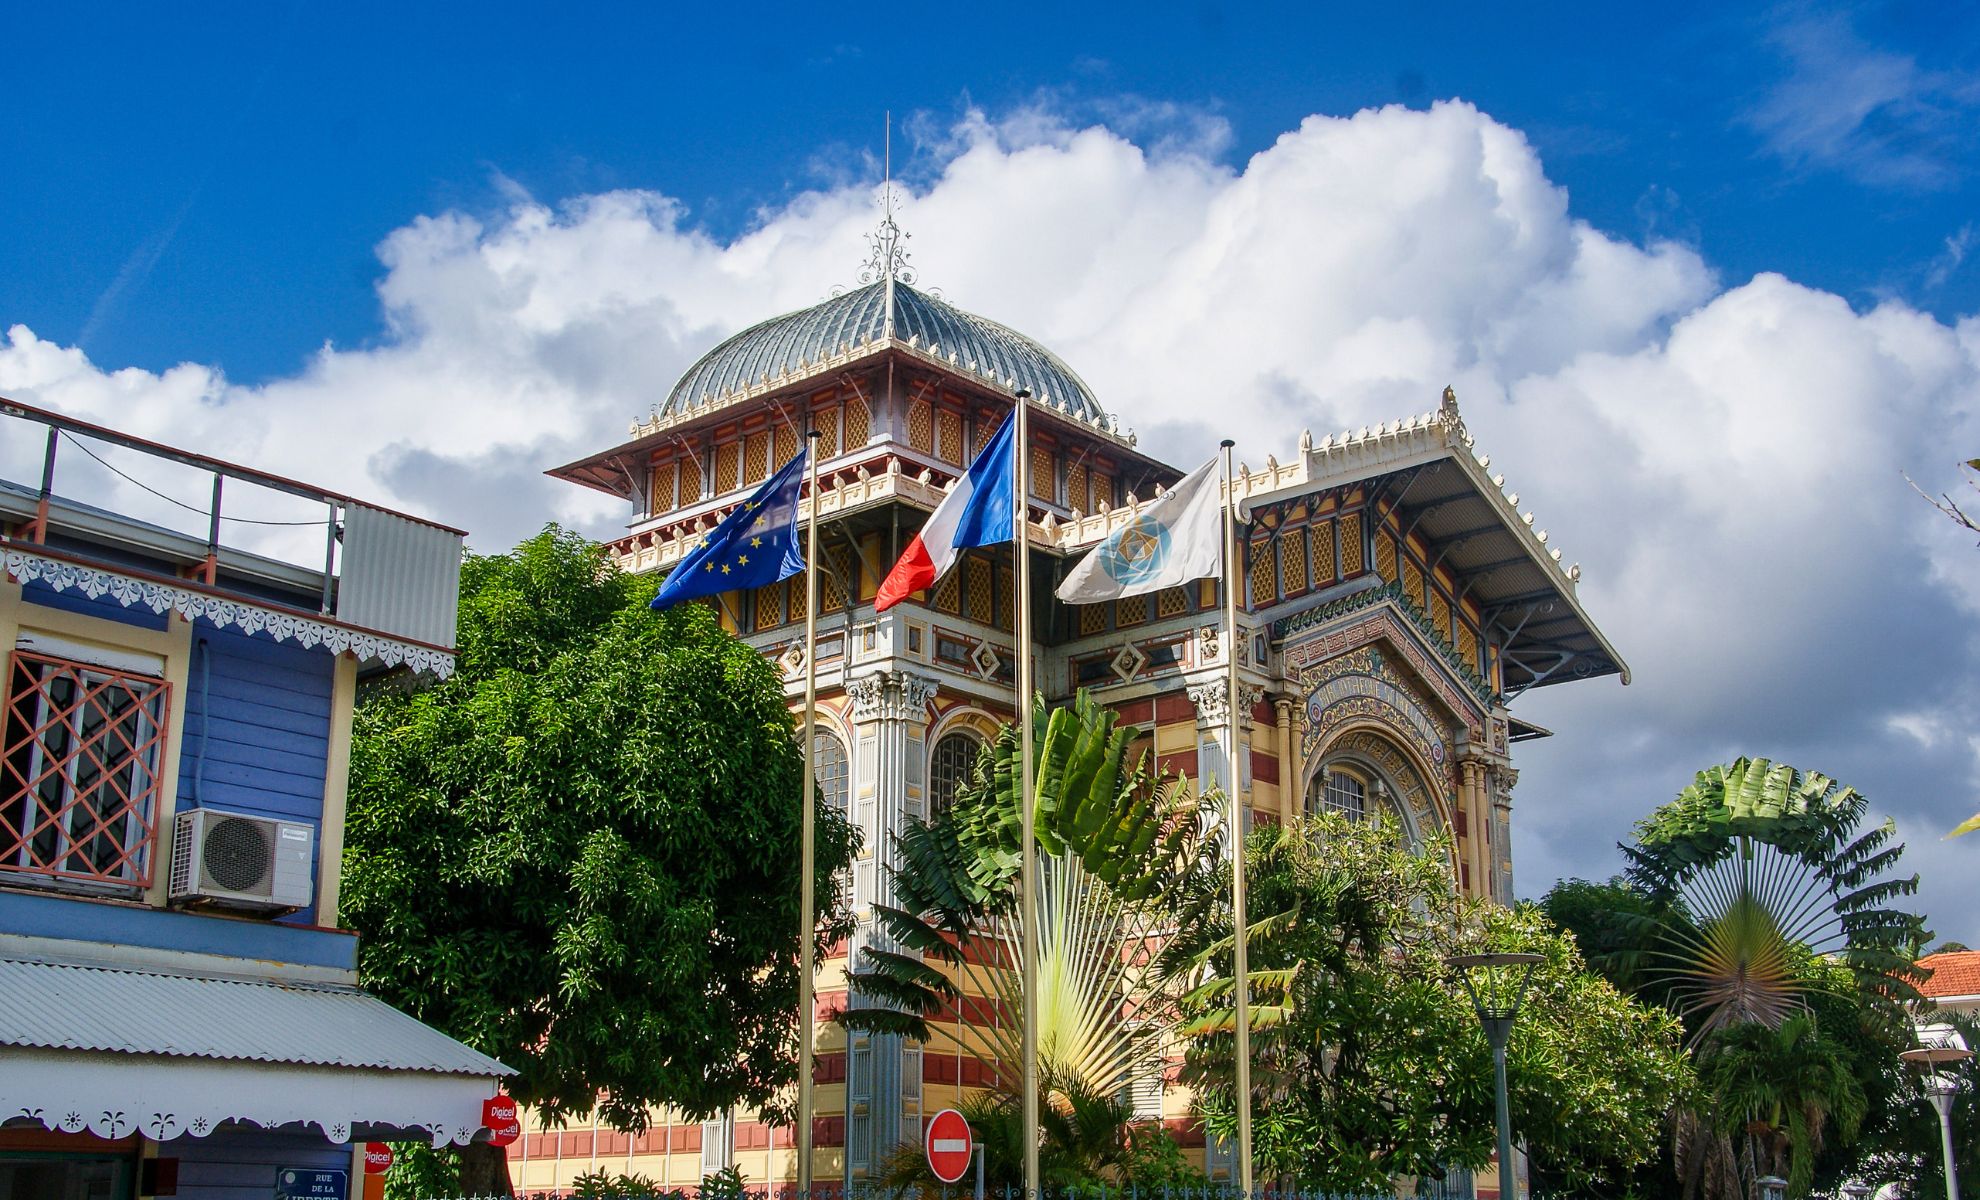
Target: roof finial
x,y
888,261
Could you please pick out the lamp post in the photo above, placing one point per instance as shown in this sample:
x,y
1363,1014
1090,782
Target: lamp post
x,y
1856,1189
1496,984
1940,1088
1772,1187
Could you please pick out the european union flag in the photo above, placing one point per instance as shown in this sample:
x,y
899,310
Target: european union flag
x,y
756,544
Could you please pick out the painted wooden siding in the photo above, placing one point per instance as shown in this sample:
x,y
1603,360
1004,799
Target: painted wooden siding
x,y
257,729
240,1164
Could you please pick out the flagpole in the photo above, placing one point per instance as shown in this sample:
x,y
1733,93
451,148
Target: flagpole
x,y
1028,856
807,898
1241,933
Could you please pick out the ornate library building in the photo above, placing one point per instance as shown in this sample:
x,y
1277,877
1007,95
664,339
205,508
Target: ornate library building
x,y
1395,601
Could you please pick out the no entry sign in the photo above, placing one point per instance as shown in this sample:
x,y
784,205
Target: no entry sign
x,y
948,1144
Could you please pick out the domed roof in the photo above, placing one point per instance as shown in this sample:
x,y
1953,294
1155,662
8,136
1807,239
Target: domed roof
x,y
798,343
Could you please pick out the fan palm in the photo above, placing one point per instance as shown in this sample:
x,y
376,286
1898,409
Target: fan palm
x,y
1117,847
1762,865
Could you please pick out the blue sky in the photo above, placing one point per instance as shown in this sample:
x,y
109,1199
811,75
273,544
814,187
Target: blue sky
x,y
1704,281
211,186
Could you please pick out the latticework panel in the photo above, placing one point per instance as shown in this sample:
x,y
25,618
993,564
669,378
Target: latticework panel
x,y
1264,574
756,457
835,586
787,444
1092,619
1440,612
858,423
1171,602
826,422
1467,647
1292,562
1131,610
920,426
978,594
948,593
79,760
1324,571
690,481
1077,496
770,605
661,497
1041,473
1412,577
1007,598
1385,556
1103,492
1351,564
727,459
948,436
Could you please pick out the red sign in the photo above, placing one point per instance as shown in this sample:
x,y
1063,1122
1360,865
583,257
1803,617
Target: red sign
x,y
947,1142
377,1158
498,1113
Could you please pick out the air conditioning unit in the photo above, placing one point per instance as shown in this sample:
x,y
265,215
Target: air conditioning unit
x,y
228,860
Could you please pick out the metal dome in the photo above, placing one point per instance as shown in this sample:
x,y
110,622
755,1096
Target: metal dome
x,y
797,343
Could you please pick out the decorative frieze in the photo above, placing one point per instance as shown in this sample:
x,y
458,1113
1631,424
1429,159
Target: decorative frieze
x,y
890,695
1211,700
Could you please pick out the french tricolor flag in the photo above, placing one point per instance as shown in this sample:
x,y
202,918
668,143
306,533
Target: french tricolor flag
x,y
978,512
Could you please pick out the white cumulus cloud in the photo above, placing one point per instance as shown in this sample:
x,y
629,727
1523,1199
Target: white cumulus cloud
x,y
1723,456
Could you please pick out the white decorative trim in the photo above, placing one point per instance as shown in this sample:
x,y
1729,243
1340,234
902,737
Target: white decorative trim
x,y
24,566
115,1095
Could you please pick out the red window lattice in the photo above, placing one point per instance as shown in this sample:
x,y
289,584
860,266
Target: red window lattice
x,y
79,770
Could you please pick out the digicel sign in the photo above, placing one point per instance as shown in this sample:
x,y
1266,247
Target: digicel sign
x,y
498,1113
377,1158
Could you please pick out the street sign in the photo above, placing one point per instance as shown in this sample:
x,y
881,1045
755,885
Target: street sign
x,y
947,1142
303,1183
377,1158
498,1113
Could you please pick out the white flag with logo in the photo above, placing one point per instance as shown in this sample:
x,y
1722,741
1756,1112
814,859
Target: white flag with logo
x,y
1177,538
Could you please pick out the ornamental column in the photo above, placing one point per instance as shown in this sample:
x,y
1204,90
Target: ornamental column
x,y
1289,798
890,720
1501,804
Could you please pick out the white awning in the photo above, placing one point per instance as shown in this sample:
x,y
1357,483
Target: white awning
x,y
117,1051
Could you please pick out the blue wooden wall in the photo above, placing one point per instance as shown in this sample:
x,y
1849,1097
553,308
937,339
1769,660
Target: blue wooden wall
x,y
37,592
239,1162
257,729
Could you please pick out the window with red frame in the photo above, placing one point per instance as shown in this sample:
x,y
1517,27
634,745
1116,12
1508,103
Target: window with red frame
x,y
79,770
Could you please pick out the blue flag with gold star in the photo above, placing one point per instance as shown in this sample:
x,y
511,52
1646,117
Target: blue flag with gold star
x,y
756,544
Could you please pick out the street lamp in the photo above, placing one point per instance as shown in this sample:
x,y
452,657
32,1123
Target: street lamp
x,y
1496,984
1940,1087
1772,1187
1856,1189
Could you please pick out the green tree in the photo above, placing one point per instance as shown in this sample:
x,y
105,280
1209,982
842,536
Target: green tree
x,y
1368,1063
575,853
1777,1090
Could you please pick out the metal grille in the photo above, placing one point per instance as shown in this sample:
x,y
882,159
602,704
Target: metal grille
x,y
948,593
236,854
1385,556
787,443
1467,646
1412,576
1130,610
918,427
1351,544
80,773
1440,613
1323,553
826,422
770,605
954,759
1171,602
1103,492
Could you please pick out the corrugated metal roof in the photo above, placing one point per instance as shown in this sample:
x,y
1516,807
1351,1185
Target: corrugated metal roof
x,y
72,1006
796,341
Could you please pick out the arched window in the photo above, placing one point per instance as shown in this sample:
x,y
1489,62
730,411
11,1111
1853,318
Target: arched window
x,y
831,768
954,760
1338,791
